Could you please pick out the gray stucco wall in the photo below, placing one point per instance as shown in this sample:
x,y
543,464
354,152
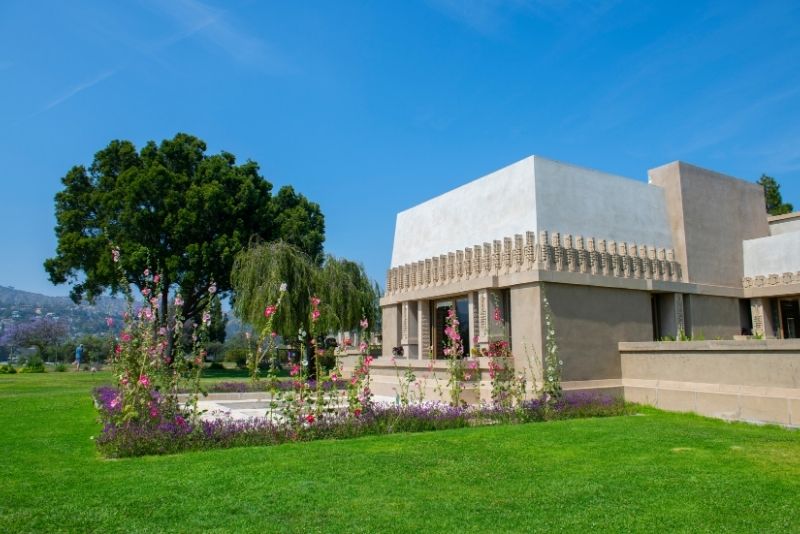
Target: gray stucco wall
x,y
713,317
589,324
710,215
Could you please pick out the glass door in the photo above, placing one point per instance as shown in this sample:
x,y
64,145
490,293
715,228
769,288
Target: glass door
x,y
441,309
790,318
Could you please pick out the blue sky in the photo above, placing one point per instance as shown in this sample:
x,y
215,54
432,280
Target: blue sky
x,y
372,107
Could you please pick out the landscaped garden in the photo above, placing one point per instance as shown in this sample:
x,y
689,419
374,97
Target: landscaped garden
x,y
650,472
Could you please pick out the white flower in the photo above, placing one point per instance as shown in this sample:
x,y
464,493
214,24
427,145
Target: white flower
x,y
283,287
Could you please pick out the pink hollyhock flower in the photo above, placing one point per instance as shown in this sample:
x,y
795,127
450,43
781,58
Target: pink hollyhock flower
x,y
115,254
348,342
314,315
363,346
295,370
147,272
144,381
212,288
162,331
497,316
269,310
315,301
125,337
473,365
153,412
368,360
273,334
109,322
154,301
357,412
206,318
124,381
178,300
146,291
334,377
180,421
310,418
117,349
364,323
156,279
114,403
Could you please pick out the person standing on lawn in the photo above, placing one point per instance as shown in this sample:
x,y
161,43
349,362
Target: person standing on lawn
x,y
78,356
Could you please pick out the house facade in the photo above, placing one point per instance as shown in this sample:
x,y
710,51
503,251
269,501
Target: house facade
x,y
691,253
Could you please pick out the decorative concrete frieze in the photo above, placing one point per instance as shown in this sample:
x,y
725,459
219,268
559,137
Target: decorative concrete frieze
x,y
507,255
477,261
545,257
487,259
771,280
553,251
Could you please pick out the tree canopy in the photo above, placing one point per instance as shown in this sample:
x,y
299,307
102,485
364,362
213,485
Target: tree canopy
x,y
175,210
346,292
773,197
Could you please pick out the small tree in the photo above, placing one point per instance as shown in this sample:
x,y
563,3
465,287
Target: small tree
x,y
772,196
346,292
42,333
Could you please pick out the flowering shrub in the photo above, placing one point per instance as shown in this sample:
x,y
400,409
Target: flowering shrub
x,y
180,434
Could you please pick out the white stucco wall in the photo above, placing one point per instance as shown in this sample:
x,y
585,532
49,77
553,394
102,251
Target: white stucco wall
x,y
784,226
497,205
579,201
533,194
775,254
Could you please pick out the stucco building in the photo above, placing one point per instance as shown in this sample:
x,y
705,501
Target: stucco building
x,y
691,253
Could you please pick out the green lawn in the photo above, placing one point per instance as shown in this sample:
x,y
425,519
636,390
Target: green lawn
x,y
652,472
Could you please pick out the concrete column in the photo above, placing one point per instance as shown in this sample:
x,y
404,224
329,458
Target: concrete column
x,y
409,330
423,328
473,317
527,334
390,329
761,311
482,314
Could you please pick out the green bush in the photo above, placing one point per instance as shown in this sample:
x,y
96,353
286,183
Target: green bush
x,y
60,368
7,370
238,356
33,366
216,366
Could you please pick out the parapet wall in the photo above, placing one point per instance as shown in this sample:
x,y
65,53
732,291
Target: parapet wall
x,y
552,252
755,381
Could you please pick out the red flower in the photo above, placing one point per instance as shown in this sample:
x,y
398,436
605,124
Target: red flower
x,y
357,412
310,418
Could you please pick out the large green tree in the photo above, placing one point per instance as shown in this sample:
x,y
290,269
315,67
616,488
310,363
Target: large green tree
x,y
772,195
171,208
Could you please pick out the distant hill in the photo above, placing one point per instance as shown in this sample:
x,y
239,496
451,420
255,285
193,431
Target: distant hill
x,y
18,306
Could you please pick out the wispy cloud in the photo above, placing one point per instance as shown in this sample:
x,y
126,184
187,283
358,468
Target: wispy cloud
x,y
218,28
76,90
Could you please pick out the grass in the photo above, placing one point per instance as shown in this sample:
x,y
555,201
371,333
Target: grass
x,y
655,472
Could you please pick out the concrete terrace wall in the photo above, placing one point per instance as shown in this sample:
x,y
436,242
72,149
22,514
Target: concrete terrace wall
x,y
755,381
532,195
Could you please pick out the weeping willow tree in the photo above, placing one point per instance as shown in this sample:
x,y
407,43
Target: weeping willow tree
x,y
347,294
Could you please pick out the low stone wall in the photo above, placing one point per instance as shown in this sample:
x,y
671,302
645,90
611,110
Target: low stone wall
x,y
753,380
